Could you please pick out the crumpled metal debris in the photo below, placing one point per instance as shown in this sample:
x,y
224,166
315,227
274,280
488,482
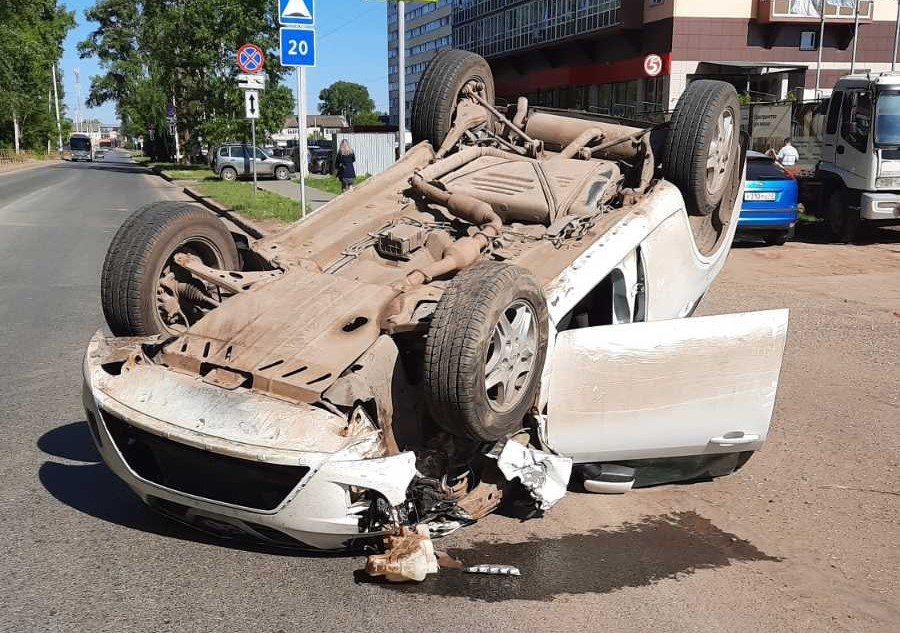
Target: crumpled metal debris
x,y
494,570
545,476
408,555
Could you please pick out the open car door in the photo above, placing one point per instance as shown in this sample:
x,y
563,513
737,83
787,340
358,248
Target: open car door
x,y
685,387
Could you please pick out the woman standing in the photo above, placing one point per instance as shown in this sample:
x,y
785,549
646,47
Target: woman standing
x,y
345,165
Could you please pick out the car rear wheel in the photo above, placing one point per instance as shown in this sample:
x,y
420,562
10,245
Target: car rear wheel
x,y
776,238
282,173
143,291
228,173
440,89
702,156
485,351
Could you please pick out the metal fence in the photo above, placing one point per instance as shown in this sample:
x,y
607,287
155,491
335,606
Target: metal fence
x,y
8,156
374,152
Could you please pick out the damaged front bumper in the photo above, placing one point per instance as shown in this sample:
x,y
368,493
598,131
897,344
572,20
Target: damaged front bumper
x,y
235,462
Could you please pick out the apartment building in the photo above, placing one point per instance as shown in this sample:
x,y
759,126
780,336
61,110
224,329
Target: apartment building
x,y
428,30
634,57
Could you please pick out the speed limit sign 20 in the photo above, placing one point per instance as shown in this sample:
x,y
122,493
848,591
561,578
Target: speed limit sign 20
x,y
653,65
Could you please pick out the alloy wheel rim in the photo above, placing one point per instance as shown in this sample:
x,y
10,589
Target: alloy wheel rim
x,y
510,357
721,154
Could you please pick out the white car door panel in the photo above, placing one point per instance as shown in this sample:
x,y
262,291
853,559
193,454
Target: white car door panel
x,y
666,388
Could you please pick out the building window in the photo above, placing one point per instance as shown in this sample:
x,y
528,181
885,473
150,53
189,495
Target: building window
x,y
808,40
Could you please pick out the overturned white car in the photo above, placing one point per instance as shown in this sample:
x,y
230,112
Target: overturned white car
x,y
509,300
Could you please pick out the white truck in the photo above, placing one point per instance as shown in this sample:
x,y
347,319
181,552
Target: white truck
x,y
858,178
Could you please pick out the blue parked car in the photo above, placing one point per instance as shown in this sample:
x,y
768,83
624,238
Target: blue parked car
x,y
770,201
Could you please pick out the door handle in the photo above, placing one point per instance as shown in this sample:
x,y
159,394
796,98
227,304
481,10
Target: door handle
x,y
840,149
737,440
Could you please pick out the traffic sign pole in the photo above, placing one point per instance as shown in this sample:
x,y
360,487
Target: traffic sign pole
x,y
301,135
253,153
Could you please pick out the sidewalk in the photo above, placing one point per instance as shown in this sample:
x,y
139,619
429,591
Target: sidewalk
x,y
29,164
290,189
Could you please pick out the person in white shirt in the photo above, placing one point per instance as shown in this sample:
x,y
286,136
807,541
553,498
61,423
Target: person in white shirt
x,y
788,155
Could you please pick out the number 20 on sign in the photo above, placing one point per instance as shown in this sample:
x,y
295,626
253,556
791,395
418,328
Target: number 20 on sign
x,y
298,47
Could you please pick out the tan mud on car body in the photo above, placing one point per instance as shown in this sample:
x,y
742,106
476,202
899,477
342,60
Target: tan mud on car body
x,y
508,300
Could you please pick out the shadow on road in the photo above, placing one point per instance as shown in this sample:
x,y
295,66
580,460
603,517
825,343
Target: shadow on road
x,y
113,167
818,233
90,487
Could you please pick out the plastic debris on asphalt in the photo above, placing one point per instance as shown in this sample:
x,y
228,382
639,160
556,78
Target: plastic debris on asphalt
x,y
494,570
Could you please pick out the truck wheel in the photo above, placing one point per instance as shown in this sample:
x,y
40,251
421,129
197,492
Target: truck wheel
x,y
143,291
702,148
485,351
843,220
440,89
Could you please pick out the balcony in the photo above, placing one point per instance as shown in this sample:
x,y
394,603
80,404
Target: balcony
x,y
810,11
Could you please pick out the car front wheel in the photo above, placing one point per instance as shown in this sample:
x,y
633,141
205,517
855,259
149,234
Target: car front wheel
x,y
282,173
144,291
485,351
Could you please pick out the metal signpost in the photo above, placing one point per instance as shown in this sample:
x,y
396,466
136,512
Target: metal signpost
x,y
251,61
298,49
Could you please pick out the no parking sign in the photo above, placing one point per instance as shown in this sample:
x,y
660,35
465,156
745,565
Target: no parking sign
x,y
250,59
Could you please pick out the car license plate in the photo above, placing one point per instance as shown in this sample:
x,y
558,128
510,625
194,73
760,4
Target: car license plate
x,y
759,196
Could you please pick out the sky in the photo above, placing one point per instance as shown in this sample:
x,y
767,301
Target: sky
x,y
351,43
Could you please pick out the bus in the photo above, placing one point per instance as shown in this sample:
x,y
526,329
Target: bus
x,y
81,148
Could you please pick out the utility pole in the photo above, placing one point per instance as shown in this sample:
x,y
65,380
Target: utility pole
x,y
78,120
896,39
401,72
59,145
15,130
821,45
855,37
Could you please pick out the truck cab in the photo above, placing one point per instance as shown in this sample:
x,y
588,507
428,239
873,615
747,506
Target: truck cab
x,y
860,167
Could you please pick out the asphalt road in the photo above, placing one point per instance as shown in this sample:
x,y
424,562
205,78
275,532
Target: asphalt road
x,y
804,538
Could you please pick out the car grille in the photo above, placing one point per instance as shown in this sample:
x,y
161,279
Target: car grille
x,y
201,473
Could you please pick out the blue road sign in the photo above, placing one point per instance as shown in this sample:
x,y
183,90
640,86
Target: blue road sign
x,y
298,47
297,12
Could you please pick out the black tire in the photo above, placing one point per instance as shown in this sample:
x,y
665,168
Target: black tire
x,y
461,336
689,143
228,173
843,220
776,238
282,173
140,250
438,91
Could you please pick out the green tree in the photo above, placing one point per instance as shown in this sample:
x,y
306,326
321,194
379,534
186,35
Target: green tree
x,y
156,52
31,37
347,99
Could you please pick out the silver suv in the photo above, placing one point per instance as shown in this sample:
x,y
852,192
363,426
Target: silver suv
x,y
236,160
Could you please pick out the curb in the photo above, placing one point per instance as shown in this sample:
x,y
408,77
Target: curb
x,y
159,172
221,210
